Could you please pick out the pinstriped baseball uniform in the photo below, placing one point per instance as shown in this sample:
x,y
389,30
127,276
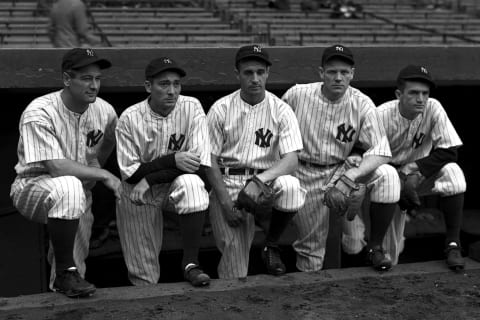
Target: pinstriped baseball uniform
x,y
245,136
142,136
411,140
329,131
48,131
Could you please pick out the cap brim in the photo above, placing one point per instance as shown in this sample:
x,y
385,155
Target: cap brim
x,y
421,79
256,57
102,63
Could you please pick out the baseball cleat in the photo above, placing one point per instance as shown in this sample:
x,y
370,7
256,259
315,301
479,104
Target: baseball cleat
x,y
454,258
196,276
273,262
70,283
378,260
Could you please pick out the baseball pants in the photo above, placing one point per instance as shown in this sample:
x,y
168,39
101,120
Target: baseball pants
x,y
449,181
64,197
312,220
235,243
141,227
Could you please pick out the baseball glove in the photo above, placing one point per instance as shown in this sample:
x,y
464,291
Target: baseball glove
x,y
255,194
345,197
409,199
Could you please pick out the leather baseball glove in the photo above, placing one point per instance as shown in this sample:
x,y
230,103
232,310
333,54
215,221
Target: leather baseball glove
x,y
254,195
345,197
409,199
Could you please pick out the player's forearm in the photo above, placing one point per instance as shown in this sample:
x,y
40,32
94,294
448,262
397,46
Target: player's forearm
x,y
368,165
65,167
438,158
287,165
160,163
215,179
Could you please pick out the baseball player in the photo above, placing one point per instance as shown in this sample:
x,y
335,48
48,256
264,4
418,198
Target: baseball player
x,y
334,118
65,138
424,147
162,144
253,133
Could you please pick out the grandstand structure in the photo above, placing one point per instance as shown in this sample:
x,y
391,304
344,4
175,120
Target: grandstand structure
x,y
227,23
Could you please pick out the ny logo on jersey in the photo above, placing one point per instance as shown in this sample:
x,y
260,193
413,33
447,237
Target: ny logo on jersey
x,y
175,144
89,52
418,140
93,137
263,139
345,135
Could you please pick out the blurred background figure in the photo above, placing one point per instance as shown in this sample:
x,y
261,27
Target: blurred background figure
x,y
69,25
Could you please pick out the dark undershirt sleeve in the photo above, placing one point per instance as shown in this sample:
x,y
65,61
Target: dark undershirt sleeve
x,y
432,163
160,163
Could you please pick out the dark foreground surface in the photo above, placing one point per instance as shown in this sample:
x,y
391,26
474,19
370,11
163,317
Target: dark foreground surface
x,y
410,291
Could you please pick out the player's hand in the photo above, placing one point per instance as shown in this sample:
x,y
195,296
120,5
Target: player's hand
x,y
137,195
354,160
187,161
234,216
113,183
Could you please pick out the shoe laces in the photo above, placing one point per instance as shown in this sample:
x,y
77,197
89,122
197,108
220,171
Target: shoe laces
x,y
273,255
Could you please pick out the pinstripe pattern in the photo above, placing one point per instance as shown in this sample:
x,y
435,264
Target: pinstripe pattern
x,y
143,135
438,132
233,124
48,131
339,125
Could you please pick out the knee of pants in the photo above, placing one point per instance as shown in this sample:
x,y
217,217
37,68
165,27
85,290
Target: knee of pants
x,y
384,185
291,195
67,199
450,180
188,194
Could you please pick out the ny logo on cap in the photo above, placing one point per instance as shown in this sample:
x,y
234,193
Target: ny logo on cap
x,y
168,61
257,49
89,52
338,48
424,70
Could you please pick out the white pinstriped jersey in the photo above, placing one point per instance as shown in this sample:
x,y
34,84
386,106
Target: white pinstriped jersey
x,y
144,135
411,140
246,136
342,124
49,130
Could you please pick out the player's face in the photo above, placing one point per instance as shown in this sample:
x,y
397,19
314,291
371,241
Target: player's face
x,y
253,76
336,75
164,90
413,98
83,84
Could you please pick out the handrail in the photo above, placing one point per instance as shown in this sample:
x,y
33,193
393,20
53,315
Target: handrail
x,y
414,27
96,26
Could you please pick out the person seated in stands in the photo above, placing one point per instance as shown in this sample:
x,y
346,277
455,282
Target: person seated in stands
x,y
346,9
279,4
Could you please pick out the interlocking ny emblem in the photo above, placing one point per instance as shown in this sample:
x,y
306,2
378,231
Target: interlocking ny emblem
x,y
418,140
89,52
424,70
167,60
338,48
257,49
345,135
263,139
93,137
175,144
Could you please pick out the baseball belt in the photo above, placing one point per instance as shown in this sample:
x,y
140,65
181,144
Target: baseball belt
x,y
315,165
240,171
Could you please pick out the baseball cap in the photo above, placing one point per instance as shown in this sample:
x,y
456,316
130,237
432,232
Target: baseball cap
x,y
252,51
338,51
162,64
414,72
77,58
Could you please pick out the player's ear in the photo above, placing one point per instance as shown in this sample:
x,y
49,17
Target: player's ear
x,y
398,93
148,86
66,79
237,73
353,73
321,72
